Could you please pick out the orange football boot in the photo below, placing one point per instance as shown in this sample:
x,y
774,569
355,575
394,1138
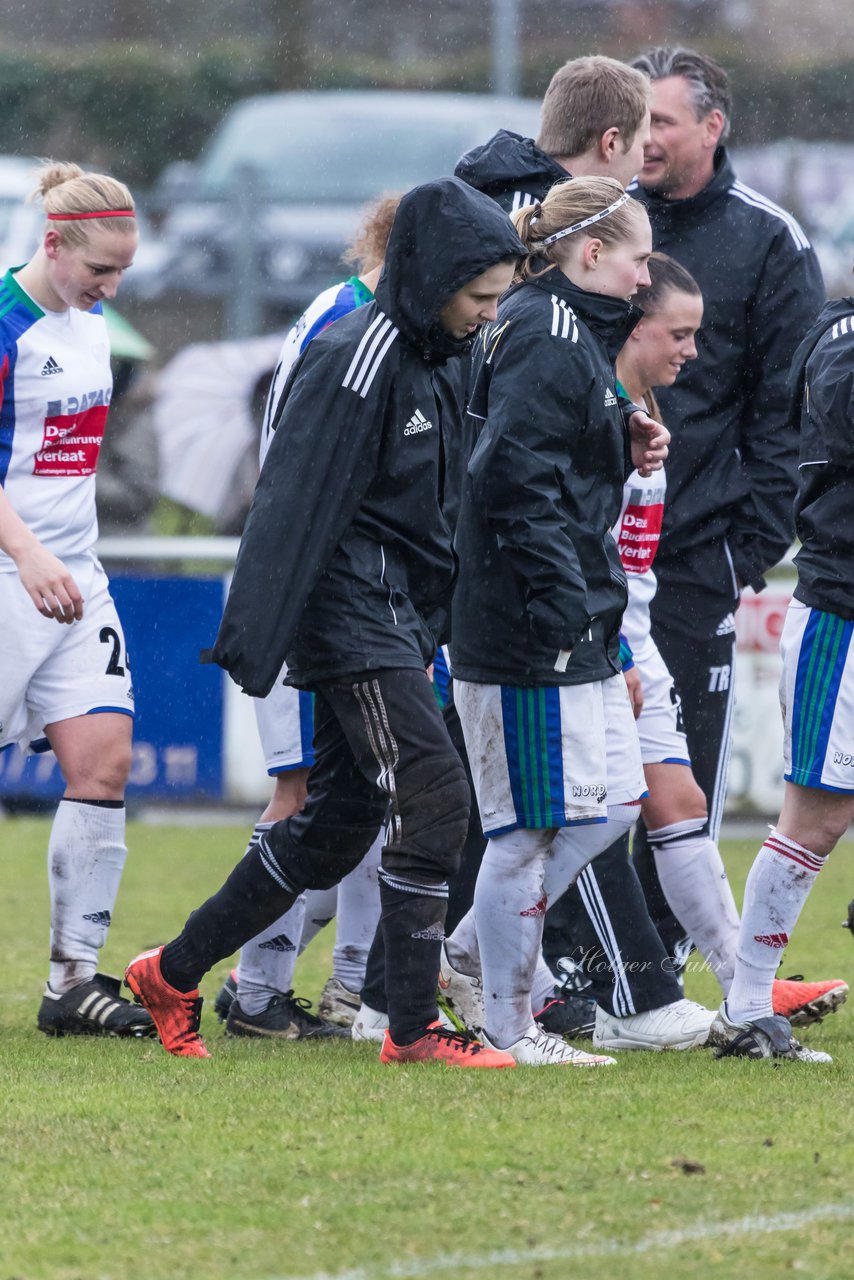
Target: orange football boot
x,y
176,1014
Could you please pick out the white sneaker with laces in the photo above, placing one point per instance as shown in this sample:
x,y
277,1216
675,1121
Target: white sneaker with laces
x,y
460,996
538,1049
763,1038
684,1024
337,1004
369,1024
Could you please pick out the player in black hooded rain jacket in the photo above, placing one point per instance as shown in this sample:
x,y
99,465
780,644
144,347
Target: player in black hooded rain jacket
x,y
345,570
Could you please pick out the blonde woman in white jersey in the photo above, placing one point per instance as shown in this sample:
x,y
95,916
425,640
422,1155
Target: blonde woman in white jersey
x,y
66,683
687,859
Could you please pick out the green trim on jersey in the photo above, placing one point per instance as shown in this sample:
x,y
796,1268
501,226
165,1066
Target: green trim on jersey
x,y
361,292
19,295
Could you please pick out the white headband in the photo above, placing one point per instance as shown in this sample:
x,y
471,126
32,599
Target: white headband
x,y
588,222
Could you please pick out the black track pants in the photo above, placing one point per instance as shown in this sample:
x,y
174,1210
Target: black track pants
x,y
380,743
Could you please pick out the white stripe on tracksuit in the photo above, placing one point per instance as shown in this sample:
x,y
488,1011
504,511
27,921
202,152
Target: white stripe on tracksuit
x,y
716,808
367,360
383,745
594,903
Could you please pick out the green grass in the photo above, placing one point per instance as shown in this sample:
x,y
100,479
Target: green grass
x,y
118,1162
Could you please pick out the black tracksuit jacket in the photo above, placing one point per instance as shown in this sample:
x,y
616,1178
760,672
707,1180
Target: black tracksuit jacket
x,y
822,385
540,571
346,563
731,476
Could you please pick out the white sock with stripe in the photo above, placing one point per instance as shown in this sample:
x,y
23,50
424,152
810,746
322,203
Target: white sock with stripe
x,y
85,856
777,888
697,890
509,907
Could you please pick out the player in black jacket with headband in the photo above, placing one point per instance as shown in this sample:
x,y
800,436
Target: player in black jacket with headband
x,y
345,571
535,652
594,123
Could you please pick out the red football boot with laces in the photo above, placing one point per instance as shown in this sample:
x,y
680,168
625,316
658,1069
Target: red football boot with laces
x,y
805,1002
439,1044
176,1014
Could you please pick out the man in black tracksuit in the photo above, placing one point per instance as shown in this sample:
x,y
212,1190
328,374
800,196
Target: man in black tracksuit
x,y
731,476
345,571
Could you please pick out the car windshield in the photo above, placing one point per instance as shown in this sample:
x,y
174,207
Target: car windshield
x,y
339,153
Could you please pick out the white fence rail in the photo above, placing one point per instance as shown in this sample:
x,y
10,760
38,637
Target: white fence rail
x,y
756,766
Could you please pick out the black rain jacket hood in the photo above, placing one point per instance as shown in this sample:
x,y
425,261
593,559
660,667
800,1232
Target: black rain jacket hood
x,y
509,166
442,237
345,564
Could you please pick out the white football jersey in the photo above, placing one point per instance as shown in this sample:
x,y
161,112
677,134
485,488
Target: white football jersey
x,y
55,389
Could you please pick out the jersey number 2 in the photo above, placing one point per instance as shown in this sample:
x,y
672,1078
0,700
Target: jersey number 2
x,y
110,636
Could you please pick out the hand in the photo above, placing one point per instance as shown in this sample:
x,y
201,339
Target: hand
x,y
634,688
649,441
49,585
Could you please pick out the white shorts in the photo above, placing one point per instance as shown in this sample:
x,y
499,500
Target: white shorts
x,y
286,727
817,698
550,756
54,671
662,740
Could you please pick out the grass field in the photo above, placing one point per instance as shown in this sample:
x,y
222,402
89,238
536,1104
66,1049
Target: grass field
x,y
118,1162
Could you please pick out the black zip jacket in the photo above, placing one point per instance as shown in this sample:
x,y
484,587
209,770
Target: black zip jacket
x,y
731,475
346,564
540,572
511,170
822,385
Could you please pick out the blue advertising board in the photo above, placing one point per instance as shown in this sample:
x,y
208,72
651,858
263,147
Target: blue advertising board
x,y
179,723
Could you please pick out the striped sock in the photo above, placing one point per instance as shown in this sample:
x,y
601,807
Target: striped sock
x,y
777,888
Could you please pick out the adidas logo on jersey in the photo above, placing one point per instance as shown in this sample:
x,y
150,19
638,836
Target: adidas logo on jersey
x,y
280,943
102,918
610,398
726,626
51,366
416,424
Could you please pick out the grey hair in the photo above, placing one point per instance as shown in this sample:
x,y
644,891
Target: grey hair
x,y
707,80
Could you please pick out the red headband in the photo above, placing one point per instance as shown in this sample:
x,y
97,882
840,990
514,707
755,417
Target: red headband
x,y
101,213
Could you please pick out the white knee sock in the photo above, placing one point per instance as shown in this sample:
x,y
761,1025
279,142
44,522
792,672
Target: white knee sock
x,y
358,914
697,890
85,855
575,847
266,967
320,908
543,985
509,906
464,954
777,888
